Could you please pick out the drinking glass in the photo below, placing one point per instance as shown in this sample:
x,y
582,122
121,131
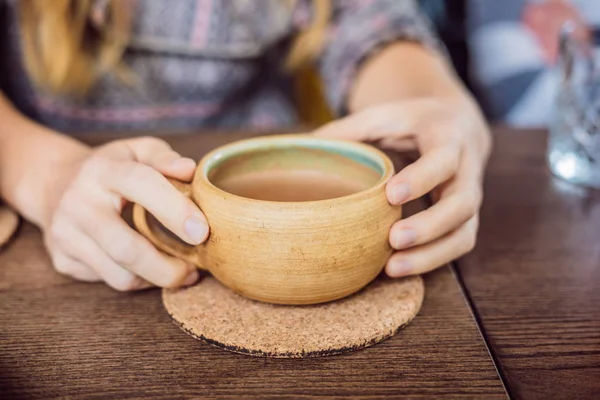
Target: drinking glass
x,y
574,140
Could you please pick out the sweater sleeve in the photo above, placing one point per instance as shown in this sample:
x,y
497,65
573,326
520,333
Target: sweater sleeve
x,y
358,28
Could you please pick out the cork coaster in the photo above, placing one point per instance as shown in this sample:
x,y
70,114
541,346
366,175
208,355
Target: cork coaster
x,y
9,222
211,312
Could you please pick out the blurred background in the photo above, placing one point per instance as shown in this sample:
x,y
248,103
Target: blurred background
x,y
507,51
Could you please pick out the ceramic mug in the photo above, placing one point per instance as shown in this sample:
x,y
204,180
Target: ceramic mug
x,y
289,250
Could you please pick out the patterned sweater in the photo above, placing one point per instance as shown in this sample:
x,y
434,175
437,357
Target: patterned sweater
x,y
213,64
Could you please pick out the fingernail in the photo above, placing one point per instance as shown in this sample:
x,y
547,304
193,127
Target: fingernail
x,y
196,229
400,193
183,162
191,278
399,268
403,238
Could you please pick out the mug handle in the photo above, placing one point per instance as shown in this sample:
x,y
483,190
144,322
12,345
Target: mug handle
x,y
168,245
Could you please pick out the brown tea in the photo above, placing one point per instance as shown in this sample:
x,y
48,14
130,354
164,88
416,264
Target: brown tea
x,y
294,185
293,175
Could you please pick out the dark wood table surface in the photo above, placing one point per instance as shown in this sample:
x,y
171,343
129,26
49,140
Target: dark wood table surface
x,y
532,283
534,278
60,338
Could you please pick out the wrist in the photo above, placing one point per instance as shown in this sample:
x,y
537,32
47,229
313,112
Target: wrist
x,y
33,162
36,166
62,167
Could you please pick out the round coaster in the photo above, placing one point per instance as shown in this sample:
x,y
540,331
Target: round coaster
x,y
211,312
9,221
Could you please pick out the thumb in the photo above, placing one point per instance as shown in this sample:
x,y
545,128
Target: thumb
x,y
397,120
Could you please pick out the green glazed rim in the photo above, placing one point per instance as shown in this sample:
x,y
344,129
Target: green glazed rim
x,y
362,153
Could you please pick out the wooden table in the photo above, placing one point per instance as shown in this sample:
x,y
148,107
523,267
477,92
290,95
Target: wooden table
x,y
534,278
60,338
533,284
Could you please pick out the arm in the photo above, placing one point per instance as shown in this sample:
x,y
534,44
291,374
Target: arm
x,y
408,71
403,71
30,155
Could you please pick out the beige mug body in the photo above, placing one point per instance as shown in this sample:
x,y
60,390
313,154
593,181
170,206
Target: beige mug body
x,y
289,252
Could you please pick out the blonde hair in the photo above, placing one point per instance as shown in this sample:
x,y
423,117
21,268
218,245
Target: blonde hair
x,y
67,48
64,51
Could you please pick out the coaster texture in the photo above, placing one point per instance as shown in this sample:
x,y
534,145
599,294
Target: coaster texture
x,y
211,312
9,222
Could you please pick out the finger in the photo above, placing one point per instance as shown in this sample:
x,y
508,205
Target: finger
x,y
425,258
75,269
398,144
374,123
144,185
128,249
155,153
458,203
401,119
111,273
434,167
160,156
114,275
81,251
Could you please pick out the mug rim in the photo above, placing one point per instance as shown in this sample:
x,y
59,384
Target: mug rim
x,y
376,155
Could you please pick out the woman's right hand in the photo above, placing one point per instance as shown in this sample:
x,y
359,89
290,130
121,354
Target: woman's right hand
x,y
83,230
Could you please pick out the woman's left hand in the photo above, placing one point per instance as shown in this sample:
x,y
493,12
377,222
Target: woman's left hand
x,y
454,144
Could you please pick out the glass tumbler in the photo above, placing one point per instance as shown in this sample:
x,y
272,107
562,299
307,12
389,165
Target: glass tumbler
x,y
574,130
